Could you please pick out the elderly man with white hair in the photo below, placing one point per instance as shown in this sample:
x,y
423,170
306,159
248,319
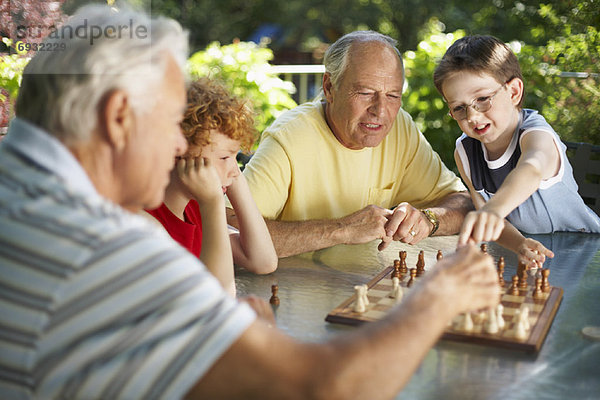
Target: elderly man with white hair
x,y
351,166
98,302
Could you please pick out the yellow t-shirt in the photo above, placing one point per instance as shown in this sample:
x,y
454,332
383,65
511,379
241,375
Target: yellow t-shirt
x,y
300,171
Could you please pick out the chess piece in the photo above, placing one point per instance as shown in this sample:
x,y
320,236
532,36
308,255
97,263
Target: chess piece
x,y
403,267
501,271
520,331
484,248
514,288
399,294
545,282
396,273
491,324
480,317
467,323
365,291
522,274
538,292
499,318
413,276
395,284
439,255
274,300
360,305
396,292
421,263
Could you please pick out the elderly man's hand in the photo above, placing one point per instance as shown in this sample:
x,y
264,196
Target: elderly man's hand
x,y
366,225
406,224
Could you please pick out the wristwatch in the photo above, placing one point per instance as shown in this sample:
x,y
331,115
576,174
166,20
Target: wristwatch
x,y
431,217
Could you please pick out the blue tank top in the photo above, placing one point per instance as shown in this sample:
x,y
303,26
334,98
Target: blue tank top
x,y
555,206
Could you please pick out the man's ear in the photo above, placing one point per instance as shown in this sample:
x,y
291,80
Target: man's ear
x,y
515,87
327,87
117,118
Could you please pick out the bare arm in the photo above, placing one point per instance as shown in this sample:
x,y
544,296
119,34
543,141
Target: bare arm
x,y
202,182
528,250
266,364
539,160
252,246
295,237
216,251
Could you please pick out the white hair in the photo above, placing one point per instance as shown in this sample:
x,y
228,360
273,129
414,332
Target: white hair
x,y
97,51
335,59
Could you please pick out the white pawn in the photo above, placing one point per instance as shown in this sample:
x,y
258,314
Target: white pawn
x,y
395,285
359,305
364,293
520,331
398,293
499,318
468,323
491,325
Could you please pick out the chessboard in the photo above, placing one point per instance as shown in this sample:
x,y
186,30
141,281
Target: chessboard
x,y
541,300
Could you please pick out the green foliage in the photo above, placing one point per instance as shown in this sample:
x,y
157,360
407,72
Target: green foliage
x,y
421,98
570,105
11,72
245,70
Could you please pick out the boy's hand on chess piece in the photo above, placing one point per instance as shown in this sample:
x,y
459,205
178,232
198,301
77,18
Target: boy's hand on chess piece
x,y
480,226
261,307
466,280
533,253
200,179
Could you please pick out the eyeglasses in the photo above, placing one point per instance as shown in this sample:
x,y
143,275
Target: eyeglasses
x,y
480,104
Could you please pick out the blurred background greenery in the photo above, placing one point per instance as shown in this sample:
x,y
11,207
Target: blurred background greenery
x,y
238,40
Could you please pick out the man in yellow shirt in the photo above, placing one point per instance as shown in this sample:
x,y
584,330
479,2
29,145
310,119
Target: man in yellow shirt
x,y
353,167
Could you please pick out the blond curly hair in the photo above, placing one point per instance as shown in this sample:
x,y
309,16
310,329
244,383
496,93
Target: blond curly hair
x,y
210,106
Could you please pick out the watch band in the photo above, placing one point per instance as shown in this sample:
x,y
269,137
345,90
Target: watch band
x,y
431,217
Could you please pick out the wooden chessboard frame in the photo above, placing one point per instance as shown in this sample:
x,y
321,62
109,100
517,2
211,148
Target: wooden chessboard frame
x,y
344,314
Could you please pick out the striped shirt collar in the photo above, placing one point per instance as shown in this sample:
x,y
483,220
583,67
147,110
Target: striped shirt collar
x,y
47,152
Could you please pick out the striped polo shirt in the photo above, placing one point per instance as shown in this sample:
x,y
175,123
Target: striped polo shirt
x,y
96,302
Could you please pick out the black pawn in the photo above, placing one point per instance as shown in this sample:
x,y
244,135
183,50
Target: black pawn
x,y
274,300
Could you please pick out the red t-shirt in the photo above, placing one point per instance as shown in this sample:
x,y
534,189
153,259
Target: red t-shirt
x,y
188,233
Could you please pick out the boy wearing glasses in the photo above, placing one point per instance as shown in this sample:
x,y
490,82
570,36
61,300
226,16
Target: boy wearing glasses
x,y
510,158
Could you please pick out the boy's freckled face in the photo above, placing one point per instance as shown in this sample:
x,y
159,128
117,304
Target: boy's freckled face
x,y
222,152
499,122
